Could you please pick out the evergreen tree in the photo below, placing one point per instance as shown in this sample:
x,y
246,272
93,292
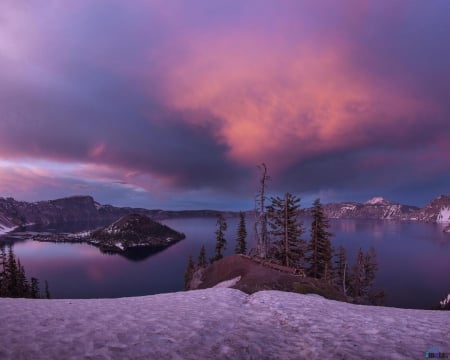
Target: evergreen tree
x,y
241,242
202,257
340,273
189,273
363,275
34,292
12,275
3,275
370,267
13,281
357,275
286,229
221,242
23,289
319,248
47,291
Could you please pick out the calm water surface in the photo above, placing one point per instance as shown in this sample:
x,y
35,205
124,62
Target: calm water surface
x,y
414,261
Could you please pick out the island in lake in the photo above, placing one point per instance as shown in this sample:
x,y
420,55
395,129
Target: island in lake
x,y
133,235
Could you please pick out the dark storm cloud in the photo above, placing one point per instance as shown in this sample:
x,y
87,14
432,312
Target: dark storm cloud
x,y
349,97
127,130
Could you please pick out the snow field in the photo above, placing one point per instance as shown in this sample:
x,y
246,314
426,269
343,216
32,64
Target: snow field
x,y
218,323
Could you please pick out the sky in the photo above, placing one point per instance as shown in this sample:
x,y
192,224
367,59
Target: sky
x,y
174,103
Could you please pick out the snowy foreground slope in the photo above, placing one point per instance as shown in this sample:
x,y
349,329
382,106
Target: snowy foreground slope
x,y
218,323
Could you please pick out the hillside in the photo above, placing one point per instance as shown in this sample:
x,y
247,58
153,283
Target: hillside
x,y
216,324
134,230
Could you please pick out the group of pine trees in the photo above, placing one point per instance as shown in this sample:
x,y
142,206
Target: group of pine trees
x,y
13,281
220,247
280,237
279,233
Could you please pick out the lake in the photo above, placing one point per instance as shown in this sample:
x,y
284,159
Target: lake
x,y
414,261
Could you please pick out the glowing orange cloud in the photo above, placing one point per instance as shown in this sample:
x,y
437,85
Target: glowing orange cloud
x,y
280,101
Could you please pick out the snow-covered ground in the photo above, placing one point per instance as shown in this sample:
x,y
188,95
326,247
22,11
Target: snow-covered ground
x,y
444,215
6,229
217,323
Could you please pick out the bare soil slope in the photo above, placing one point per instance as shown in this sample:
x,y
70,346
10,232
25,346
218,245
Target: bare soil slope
x,y
256,277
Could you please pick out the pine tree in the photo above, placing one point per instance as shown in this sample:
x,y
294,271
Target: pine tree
x,y
13,281
357,275
341,277
189,273
363,276
319,248
3,275
241,242
47,291
23,288
12,274
286,230
370,266
202,257
221,242
35,293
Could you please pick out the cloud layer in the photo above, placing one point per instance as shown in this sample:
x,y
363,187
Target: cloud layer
x,y
186,98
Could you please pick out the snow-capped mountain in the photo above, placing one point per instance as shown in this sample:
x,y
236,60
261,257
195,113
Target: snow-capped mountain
x,y
375,208
378,201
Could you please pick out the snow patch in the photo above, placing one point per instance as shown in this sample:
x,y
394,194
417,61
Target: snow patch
x,y
446,301
6,229
97,205
227,283
216,324
377,201
444,215
119,245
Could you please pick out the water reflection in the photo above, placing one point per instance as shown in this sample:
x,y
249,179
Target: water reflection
x,y
413,260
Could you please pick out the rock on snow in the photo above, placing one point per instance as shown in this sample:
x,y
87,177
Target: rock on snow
x,y
216,324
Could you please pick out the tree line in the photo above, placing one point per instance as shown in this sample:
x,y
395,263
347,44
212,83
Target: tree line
x,y
280,237
13,281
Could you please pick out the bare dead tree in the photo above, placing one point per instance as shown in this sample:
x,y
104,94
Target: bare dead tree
x,y
261,215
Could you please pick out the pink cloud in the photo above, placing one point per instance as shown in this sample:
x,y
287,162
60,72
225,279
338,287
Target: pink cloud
x,y
281,101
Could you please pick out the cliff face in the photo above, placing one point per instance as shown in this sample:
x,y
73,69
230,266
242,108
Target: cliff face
x,y
71,209
432,211
77,209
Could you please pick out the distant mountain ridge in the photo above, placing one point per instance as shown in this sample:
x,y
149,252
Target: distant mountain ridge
x,y
378,208
15,213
